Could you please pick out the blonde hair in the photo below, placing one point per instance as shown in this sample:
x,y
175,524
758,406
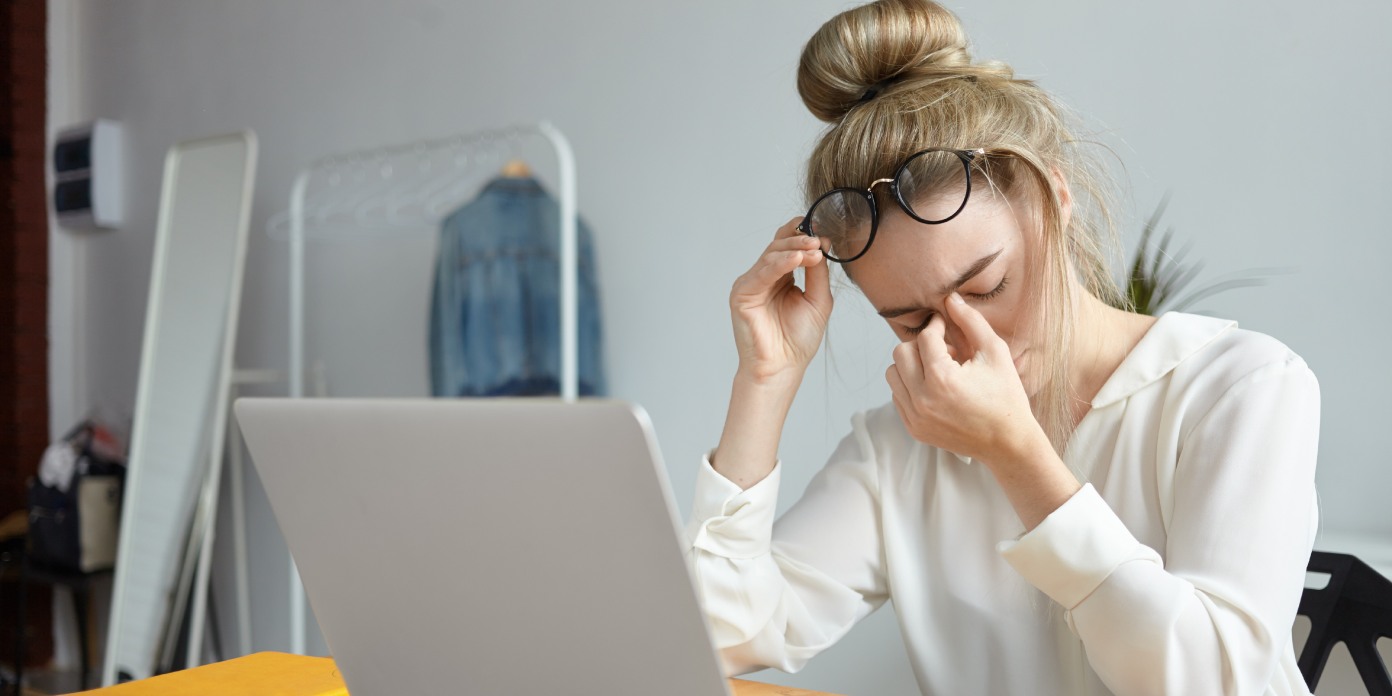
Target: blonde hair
x,y
894,77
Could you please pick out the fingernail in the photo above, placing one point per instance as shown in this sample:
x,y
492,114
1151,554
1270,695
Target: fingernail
x,y
956,299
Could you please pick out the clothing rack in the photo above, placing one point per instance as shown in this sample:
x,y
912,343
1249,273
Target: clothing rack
x,y
382,190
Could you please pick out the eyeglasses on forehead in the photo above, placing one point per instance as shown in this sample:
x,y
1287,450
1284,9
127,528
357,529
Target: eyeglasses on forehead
x,y
846,219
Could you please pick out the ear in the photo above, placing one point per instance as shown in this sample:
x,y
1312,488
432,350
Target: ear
x,y
1065,196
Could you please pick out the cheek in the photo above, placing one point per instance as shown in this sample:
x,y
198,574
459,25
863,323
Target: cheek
x,y
1004,318
1011,314
1029,374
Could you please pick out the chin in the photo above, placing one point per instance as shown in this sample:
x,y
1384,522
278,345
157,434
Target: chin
x,y
1022,369
1032,389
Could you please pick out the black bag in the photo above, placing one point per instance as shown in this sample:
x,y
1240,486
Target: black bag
x,y
77,529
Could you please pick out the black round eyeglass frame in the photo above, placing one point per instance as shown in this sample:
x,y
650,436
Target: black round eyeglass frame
x,y
966,156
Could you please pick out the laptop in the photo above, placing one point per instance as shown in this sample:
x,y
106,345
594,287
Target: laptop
x,y
485,546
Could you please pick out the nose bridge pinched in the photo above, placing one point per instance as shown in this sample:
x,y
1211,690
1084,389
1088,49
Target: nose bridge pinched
x,y
956,340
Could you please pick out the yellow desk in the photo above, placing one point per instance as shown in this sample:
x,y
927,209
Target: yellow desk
x,y
283,674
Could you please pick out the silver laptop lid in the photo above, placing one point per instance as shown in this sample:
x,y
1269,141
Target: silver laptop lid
x,y
485,546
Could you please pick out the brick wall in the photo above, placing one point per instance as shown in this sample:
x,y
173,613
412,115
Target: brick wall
x,y
23,286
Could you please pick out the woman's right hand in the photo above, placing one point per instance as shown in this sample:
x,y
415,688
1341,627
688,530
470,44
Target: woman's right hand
x,y
777,325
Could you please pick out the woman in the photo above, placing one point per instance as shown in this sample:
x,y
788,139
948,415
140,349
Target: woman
x,y
1063,497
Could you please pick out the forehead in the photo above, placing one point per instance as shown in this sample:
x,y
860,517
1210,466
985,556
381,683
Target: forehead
x,y
910,261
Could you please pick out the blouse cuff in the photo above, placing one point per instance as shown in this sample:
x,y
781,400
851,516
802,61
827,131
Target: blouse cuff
x,y
731,522
1075,548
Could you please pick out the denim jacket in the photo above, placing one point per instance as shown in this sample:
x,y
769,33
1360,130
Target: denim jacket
x,y
495,306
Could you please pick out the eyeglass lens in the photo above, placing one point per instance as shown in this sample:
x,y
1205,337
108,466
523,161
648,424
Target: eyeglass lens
x,y
932,184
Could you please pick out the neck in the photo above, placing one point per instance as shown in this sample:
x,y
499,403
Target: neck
x,y
1103,336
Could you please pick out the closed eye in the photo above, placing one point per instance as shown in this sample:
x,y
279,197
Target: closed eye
x,y
990,295
915,330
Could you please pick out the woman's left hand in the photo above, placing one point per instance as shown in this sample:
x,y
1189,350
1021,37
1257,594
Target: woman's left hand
x,y
976,408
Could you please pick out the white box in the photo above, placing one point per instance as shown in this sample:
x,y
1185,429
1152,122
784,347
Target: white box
x,y
87,175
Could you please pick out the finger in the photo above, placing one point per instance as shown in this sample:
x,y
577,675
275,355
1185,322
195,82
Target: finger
x,y
981,338
799,241
774,266
932,344
818,283
952,352
898,389
909,366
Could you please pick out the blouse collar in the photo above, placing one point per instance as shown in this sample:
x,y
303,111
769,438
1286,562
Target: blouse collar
x,y
1168,342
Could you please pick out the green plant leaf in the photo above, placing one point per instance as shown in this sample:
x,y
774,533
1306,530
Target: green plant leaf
x,y
1159,279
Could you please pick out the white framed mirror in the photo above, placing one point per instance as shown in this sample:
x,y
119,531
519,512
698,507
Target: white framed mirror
x,y
181,396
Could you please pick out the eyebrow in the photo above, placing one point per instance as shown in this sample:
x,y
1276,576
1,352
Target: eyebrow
x,y
951,287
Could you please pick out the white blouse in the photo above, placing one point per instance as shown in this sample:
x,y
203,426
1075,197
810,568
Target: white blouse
x,y
1176,569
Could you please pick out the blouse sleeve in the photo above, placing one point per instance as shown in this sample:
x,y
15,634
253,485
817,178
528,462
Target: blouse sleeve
x,y
777,593
1218,609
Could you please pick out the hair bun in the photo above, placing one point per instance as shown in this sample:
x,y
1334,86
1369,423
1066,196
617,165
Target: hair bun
x,y
887,40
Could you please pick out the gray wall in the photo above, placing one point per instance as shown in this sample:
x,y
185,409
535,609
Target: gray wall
x,y
1266,121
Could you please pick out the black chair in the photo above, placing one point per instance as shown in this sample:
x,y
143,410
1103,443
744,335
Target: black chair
x,y
12,557
12,553
1354,608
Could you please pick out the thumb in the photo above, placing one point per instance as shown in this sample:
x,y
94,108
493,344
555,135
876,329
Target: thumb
x,y
818,284
980,336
